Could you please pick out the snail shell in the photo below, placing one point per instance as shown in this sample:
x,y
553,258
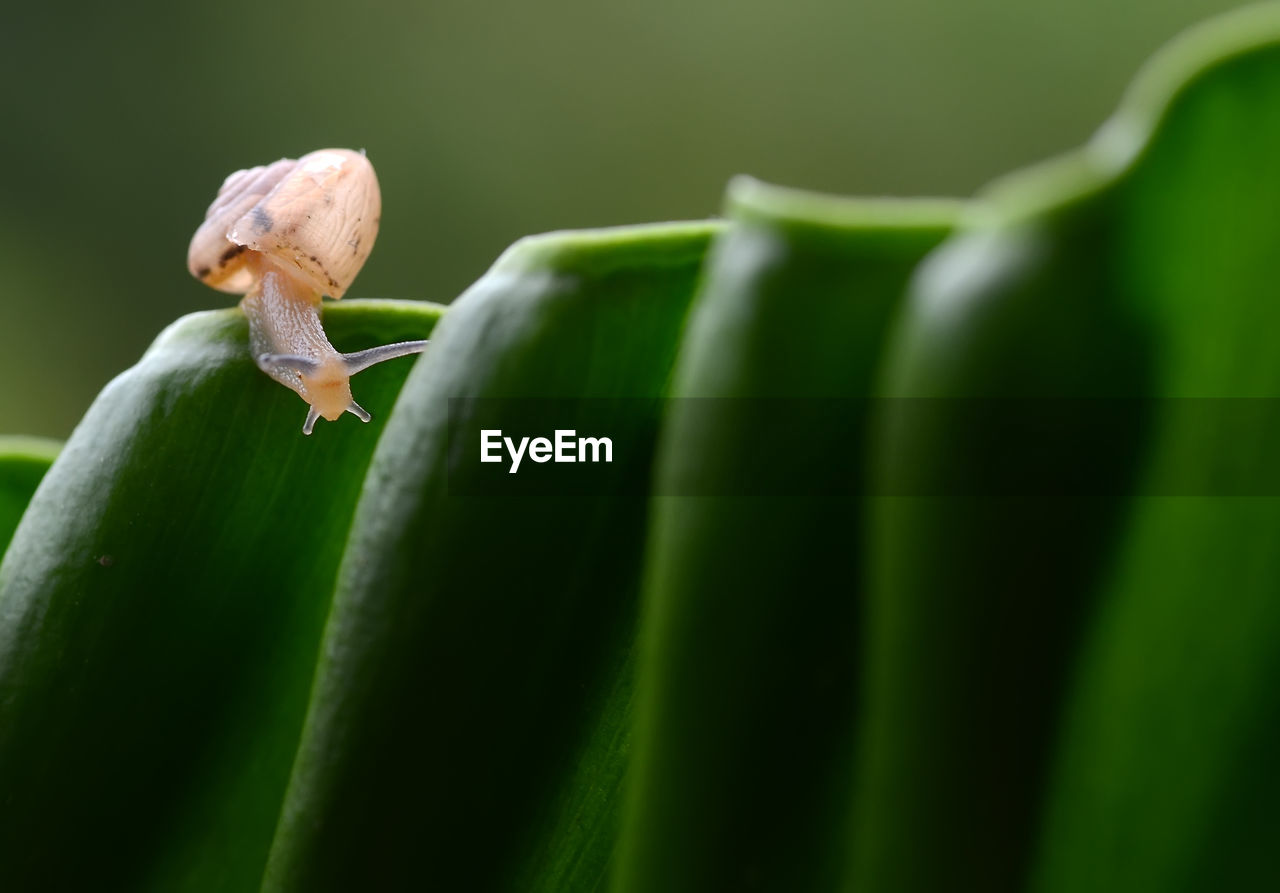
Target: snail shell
x,y
318,214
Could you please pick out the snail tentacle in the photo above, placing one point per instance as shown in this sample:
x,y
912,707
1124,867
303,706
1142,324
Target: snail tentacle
x,y
363,359
312,415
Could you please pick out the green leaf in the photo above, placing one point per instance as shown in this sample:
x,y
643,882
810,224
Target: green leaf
x,y
162,603
1074,622
23,463
749,672
475,666
960,572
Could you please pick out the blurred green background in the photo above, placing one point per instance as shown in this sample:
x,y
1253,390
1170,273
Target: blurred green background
x,y
486,122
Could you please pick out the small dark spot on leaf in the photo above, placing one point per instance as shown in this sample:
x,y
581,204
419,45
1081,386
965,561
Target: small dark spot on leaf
x,y
105,560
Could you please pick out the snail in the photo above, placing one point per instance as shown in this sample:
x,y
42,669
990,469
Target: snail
x,y
283,235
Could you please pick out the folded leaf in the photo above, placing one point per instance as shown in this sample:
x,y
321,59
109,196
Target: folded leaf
x,y
160,611
749,673
1074,629
475,670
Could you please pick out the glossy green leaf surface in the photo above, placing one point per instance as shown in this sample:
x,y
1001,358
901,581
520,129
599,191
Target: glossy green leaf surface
x,y
750,668
162,602
477,656
23,463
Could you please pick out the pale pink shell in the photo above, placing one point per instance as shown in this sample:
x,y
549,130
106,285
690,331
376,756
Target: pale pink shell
x,y
316,216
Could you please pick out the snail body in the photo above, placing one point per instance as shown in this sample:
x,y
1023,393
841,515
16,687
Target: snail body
x,y
284,235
